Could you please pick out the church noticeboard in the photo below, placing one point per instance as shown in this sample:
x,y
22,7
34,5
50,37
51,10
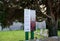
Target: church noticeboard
x,y
29,20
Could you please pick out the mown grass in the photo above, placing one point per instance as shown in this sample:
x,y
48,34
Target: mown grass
x,y
15,35
58,33
11,35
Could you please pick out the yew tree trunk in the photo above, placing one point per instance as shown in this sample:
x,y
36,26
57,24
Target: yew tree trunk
x,y
52,22
52,27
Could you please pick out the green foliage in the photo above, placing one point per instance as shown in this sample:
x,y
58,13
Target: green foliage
x,y
2,15
59,25
11,10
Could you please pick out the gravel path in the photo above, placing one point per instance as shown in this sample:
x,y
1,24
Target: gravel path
x,y
48,39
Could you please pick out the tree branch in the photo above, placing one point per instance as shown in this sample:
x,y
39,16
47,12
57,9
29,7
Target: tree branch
x,y
38,5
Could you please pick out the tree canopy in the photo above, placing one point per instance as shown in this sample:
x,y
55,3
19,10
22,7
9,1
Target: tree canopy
x,y
11,10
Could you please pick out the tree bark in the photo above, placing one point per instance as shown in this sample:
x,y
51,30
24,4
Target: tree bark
x,y
52,28
53,21
52,25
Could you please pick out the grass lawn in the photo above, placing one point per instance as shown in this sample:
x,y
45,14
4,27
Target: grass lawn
x,y
58,33
11,35
14,35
